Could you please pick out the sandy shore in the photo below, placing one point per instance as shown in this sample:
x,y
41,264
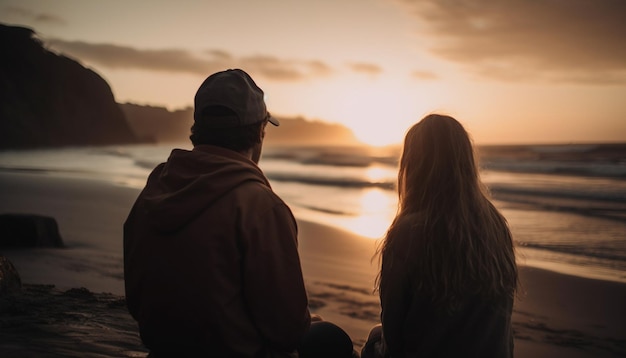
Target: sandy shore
x,y
555,316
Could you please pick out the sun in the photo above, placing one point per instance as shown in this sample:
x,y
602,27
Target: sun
x,y
383,136
377,115
378,125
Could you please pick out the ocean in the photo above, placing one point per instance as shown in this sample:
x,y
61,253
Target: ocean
x,y
566,204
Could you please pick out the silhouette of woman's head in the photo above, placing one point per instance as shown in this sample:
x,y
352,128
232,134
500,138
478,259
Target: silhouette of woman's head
x,y
437,167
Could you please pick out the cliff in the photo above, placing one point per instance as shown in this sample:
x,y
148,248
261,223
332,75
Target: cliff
x,y
301,131
50,100
160,125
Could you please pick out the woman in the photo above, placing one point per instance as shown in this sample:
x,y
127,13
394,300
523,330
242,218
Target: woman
x,y
448,274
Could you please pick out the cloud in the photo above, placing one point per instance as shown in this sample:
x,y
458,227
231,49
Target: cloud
x,y
424,75
556,40
219,54
123,57
24,13
285,70
366,68
183,61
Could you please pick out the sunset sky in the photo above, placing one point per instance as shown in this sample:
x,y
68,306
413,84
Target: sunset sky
x,y
514,71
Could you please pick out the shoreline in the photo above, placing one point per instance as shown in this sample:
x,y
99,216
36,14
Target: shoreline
x,y
556,315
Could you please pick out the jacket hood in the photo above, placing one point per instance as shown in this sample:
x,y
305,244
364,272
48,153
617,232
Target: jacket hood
x,y
180,189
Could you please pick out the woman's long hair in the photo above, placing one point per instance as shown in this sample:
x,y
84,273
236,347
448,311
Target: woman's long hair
x,y
460,245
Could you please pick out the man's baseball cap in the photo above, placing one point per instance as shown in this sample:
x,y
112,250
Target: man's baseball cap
x,y
235,90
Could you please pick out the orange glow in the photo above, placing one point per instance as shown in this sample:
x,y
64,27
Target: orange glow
x,y
375,173
376,214
379,112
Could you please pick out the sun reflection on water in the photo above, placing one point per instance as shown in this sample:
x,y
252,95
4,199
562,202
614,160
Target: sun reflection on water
x,y
376,212
377,173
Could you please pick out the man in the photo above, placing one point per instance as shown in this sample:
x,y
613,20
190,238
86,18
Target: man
x,y
211,265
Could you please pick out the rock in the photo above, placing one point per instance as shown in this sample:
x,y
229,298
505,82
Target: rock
x,y
10,280
29,230
50,100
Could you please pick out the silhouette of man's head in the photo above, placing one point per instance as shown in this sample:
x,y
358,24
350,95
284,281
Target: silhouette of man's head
x,y
230,111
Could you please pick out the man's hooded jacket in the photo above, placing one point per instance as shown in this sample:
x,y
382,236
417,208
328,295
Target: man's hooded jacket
x,y
211,260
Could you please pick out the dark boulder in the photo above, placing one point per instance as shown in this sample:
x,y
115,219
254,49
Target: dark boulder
x,y
27,230
10,280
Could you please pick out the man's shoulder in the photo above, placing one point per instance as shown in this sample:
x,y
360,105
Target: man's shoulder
x,y
257,191
260,202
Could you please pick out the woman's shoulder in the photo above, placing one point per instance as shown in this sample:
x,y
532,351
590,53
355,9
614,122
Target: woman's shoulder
x,y
409,222
404,231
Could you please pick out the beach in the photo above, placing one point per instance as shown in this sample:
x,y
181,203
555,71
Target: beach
x,y
84,314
